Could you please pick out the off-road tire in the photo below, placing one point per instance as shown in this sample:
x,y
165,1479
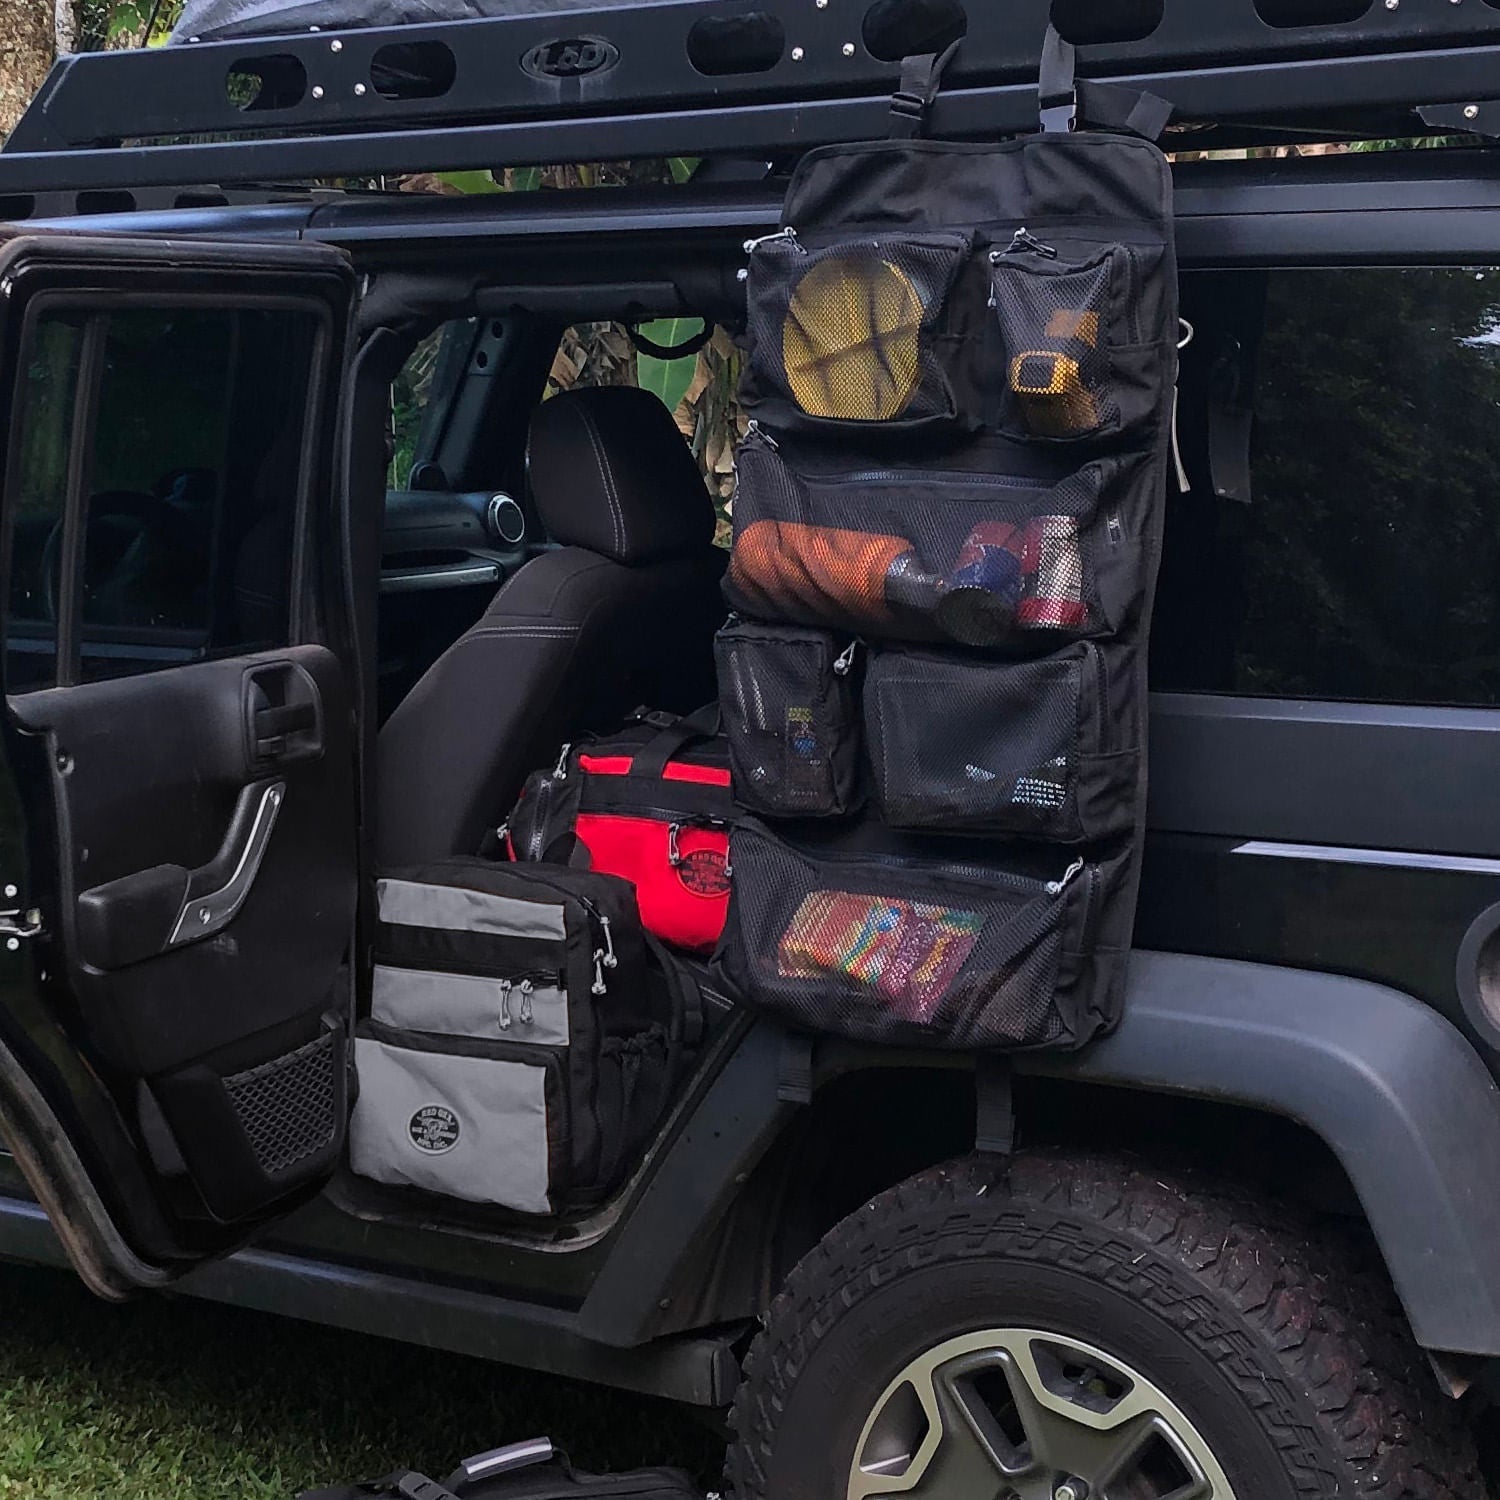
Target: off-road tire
x,y
1285,1348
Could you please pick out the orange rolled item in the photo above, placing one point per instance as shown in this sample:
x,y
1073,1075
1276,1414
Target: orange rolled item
x,y
812,572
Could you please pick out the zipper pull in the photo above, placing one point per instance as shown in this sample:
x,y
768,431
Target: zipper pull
x,y
527,1015
599,986
759,433
844,663
505,1004
560,770
610,961
1114,528
1057,887
786,236
1024,242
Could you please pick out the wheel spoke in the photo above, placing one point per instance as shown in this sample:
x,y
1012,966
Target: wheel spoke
x,y
1009,1414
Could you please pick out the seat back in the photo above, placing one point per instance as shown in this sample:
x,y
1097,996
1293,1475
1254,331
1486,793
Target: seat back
x,y
621,614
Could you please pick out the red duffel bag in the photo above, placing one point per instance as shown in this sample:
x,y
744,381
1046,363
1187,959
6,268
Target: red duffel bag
x,y
650,804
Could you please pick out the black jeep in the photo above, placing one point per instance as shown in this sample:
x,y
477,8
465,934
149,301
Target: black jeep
x,y
1247,1244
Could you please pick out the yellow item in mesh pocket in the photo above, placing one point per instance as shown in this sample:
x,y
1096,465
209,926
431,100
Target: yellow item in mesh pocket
x,y
852,343
1054,399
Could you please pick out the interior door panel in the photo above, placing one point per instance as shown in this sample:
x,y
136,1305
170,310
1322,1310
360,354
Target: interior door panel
x,y
147,773
190,816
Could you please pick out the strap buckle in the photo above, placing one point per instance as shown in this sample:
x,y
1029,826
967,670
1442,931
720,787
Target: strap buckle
x,y
906,105
1060,112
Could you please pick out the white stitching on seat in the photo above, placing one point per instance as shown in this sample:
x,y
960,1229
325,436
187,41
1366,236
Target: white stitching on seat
x,y
606,473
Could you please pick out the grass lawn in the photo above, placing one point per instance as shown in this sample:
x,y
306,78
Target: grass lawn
x,y
175,1397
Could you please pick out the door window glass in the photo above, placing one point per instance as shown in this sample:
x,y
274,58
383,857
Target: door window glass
x,y
38,495
186,430
1366,564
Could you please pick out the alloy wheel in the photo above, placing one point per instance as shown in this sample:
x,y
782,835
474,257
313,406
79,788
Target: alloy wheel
x,y
1019,1414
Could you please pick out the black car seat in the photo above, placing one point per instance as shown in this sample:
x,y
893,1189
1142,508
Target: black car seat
x,y
621,614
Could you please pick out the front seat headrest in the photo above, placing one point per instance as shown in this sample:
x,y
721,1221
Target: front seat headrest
x,y
609,471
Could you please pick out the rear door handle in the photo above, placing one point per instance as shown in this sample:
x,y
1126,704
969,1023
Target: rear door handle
x,y
217,890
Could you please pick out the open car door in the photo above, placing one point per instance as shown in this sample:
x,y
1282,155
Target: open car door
x,y
177,799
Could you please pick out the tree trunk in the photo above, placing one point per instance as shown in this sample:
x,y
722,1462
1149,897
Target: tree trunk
x,y
28,42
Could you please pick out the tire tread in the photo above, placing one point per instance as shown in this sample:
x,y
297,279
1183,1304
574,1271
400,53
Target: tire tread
x,y
1304,1325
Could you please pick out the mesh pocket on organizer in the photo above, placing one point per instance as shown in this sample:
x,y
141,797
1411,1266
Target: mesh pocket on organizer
x,y
902,951
788,700
1024,749
1056,325
919,555
848,333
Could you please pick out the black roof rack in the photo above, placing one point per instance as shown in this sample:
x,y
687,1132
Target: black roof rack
x,y
759,78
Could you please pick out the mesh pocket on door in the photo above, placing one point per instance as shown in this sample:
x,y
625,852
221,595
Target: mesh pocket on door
x,y
847,333
788,702
1055,324
1006,748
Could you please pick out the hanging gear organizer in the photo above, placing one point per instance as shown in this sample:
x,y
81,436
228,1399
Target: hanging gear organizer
x,y
960,372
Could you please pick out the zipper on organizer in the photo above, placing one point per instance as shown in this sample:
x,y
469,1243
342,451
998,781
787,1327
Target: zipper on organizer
x,y
1132,261
843,663
1090,908
787,236
966,874
604,958
958,479
1095,659
759,434
1023,242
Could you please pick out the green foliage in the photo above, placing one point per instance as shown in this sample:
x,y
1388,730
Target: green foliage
x,y
668,378
472,182
126,23
186,1399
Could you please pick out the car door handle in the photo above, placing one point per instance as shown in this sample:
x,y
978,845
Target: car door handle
x,y
283,716
139,916
217,890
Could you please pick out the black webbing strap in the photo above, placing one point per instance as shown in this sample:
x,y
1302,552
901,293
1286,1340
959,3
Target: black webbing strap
x,y
691,345
794,1085
921,78
651,759
994,1111
1068,101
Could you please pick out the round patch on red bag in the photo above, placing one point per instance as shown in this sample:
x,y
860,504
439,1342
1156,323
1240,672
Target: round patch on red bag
x,y
705,872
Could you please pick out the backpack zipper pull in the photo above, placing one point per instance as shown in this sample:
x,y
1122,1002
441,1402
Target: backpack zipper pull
x,y
505,1004
527,1015
560,770
1057,887
610,961
1024,242
786,236
844,662
599,987
759,433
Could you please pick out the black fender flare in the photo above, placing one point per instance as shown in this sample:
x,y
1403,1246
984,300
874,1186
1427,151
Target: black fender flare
x,y
1391,1086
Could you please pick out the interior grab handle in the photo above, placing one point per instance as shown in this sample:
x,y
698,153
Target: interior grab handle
x,y
218,890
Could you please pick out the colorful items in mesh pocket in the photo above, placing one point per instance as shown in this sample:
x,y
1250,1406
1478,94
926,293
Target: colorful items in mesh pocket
x,y
908,952
1028,576
1052,321
845,331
